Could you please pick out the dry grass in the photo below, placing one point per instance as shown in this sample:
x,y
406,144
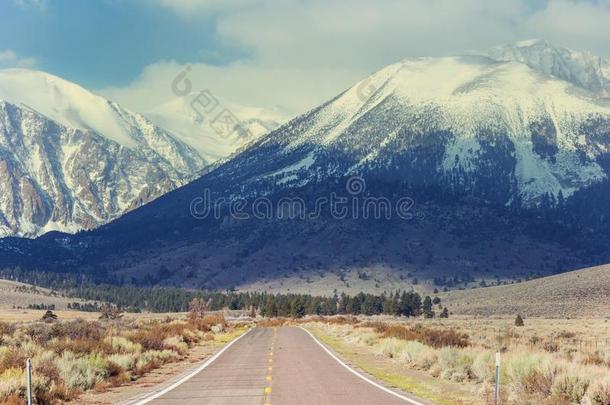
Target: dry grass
x,y
432,337
578,294
70,357
543,362
15,295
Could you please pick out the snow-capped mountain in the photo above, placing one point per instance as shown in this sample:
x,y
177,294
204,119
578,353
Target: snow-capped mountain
x,y
504,161
200,130
71,160
581,68
500,129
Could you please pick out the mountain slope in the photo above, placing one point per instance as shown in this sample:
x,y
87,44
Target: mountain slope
x,y
144,157
581,68
500,130
580,293
54,177
72,160
488,155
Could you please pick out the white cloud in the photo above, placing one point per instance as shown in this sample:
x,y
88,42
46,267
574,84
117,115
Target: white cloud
x,y
8,59
302,52
576,24
289,90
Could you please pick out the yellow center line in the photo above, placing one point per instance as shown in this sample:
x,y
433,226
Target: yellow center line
x,y
269,377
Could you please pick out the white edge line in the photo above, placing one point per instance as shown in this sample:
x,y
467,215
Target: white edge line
x,y
357,374
191,375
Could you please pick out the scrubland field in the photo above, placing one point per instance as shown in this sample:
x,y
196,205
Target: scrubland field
x,y
447,361
15,296
451,361
560,356
73,356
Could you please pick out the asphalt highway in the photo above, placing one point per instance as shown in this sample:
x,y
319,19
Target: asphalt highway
x,y
278,366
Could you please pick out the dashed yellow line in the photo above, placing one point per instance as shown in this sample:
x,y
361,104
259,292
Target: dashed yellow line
x,y
270,368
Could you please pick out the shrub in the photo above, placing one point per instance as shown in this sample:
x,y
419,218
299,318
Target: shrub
x,y
551,347
566,334
13,386
599,392
152,359
12,358
432,337
11,383
7,328
530,373
452,361
427,358
126,362
483,367
38,332
176,344
119,344
206,323
368,339
78,329
390,347
412,351
148,339
82,372
78,346
569,387
594,358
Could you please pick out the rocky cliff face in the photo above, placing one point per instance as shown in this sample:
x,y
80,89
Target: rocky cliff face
x,y
54,177
72,160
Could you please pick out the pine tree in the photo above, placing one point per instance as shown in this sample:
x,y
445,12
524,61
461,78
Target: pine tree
x,y
519,321
49,316
445,313
427,307
297,309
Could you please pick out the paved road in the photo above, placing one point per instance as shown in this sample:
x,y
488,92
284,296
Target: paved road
x,y
277,366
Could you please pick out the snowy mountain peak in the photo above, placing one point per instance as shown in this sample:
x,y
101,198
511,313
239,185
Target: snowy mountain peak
x,y
70,159
64,102
581,68
494,127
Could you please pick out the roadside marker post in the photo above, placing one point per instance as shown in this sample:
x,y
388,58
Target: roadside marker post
x,y
497,393
28,368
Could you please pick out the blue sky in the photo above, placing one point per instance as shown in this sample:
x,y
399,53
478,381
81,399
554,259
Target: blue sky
x,y
289,54
103,43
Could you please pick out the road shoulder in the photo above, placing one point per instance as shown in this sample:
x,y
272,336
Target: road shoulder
x,y
159,378
414,384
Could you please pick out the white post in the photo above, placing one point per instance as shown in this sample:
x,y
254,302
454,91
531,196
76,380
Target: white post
x,y
28,367
497,394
